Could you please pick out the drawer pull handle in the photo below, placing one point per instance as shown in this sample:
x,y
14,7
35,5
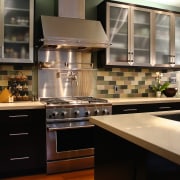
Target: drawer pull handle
x,y
165,107
18,116
19,158
18,134
129,110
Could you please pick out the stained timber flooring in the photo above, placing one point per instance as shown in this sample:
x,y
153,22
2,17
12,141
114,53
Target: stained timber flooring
x,y
76,175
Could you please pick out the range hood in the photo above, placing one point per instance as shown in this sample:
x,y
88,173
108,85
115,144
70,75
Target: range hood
x,y
74,33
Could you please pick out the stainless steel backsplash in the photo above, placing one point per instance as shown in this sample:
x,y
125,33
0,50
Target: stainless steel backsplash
x,y
68,74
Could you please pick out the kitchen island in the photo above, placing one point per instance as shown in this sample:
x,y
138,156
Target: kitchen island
x,y
137,146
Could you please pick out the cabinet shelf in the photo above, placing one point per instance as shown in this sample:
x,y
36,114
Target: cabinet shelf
x,y
141,36
16,42
16,9
118,20
141,23
17,25
140,49
162,26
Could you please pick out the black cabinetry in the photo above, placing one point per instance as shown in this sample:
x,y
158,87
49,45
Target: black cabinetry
x,y
140,108
23,142
49,8
117,158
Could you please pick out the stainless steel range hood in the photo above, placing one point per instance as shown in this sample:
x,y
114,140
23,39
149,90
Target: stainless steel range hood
x,y
75,33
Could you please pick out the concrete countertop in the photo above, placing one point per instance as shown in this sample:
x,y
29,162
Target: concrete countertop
x,y
141,100
158,135
22,105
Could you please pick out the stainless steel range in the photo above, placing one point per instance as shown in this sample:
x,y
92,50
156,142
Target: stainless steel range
x,y
69,133
66,74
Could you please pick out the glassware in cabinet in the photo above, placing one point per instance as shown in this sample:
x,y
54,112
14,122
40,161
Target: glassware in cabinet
x,y
18,41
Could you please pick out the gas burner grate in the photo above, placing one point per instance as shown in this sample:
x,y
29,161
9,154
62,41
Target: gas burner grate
x,y
92,99
75,100
54,101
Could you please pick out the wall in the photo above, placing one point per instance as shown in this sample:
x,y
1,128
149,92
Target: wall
x,y
132,82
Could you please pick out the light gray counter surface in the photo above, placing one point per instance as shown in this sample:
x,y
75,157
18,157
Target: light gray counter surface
x,y
141,100
22,105
158,135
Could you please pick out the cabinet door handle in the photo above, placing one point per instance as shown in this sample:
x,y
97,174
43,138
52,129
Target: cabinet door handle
x,y
18,134
165,107
19,116
19,158
126,110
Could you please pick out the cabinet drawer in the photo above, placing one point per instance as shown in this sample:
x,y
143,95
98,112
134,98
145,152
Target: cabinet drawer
x,y
16,122
125,109
18,163
140,108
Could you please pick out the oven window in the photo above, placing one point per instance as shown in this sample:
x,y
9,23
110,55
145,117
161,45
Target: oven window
x,y
74,139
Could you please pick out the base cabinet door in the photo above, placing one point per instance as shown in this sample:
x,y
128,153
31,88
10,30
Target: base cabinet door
x,y
23,142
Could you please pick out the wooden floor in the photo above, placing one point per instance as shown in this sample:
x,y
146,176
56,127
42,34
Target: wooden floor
x,y
76,175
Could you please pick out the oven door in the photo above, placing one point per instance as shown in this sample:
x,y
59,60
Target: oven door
x,y
69,140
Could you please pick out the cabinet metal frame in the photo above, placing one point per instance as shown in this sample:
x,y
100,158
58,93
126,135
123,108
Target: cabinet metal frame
x,y
31,30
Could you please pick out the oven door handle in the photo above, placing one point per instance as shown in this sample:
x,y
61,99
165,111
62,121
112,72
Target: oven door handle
x,y
68,127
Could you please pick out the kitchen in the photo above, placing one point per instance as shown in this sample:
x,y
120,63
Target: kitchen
x,y
105,76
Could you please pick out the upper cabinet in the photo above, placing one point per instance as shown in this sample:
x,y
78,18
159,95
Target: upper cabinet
x,y
16,26
163,39
176,53
139,36
128,29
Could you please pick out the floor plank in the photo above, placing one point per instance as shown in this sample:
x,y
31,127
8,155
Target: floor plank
x,y
76,175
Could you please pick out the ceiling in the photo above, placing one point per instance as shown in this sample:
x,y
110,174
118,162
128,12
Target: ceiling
x,y
167,2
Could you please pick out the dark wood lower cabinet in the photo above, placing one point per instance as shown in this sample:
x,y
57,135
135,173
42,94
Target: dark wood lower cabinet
x,y
23,142
140,108
116,159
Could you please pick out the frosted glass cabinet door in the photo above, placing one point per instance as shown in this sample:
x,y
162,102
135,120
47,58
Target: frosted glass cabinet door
x,y
177,40
117,28
17,30
162,39
141,37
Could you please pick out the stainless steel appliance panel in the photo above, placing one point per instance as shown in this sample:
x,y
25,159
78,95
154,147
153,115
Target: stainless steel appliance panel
x,y
55,83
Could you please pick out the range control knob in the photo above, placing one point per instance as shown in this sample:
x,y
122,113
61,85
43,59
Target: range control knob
x,y
55,113
96,111
63,113
105,111
76,112
87,113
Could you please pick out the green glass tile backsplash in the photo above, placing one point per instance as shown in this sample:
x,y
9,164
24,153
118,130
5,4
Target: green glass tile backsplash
x,y
131,82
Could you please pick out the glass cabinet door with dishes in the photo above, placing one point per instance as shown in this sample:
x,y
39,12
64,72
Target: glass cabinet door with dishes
x,y
17,31
128,30
163,39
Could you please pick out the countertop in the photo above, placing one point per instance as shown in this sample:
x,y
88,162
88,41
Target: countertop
x,y
158,135
22,105
141,100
